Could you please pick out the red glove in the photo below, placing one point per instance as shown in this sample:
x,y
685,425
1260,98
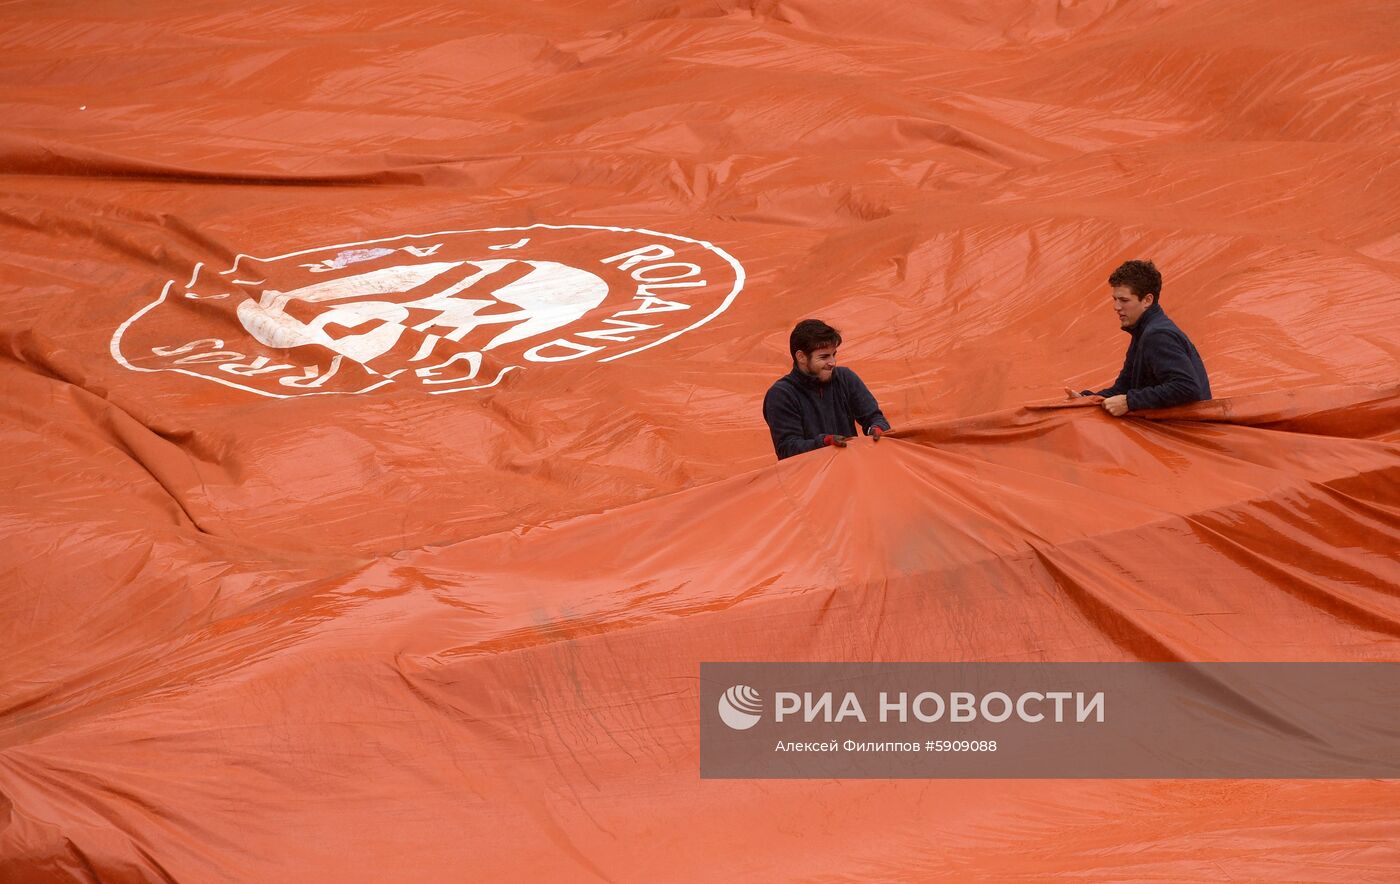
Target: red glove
x,y
877,432
838,441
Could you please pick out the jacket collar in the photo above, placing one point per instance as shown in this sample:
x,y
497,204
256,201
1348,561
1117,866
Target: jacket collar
x,y
1149,316
803,380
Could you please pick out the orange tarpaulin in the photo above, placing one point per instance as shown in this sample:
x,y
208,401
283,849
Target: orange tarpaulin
x,y
382,396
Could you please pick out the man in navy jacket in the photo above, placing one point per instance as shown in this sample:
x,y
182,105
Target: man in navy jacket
x,y
817,403
1162,367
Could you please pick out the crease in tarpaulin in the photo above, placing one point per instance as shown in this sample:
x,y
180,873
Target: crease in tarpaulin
x,y
80,161
117,425
1353,611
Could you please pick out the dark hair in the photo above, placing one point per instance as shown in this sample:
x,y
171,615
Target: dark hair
x,y
812,334
1141,277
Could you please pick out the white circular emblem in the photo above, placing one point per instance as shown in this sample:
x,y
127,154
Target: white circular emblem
x,y
442,312
740,707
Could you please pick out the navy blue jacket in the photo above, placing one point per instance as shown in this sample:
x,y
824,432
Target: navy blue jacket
x,y
1162,367
800,410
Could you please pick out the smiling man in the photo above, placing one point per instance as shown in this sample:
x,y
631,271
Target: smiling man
x,y
1162,367
818,403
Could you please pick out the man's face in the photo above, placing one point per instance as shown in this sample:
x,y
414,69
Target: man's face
x,y
820,363
1129,306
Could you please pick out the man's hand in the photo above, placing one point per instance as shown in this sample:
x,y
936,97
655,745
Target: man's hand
x,y
877,432
1116,405
838,441
1072,394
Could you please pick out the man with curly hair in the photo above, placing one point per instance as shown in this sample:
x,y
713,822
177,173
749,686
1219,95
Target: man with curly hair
x,y
1162,367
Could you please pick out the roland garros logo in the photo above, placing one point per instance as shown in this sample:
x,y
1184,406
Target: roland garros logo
x,y
441,312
